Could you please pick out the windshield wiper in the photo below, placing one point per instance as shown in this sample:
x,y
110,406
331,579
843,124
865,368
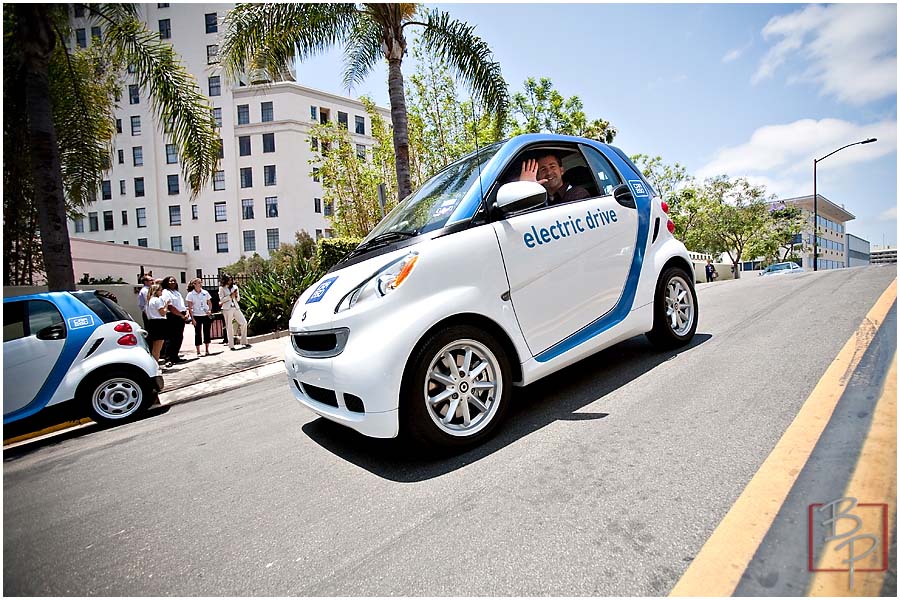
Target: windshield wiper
x,y
382,239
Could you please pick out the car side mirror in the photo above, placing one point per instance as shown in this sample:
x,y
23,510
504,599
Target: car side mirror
x,y
520,195
52,332
622,194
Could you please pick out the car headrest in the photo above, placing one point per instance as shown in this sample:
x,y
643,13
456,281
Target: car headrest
x,y
577,176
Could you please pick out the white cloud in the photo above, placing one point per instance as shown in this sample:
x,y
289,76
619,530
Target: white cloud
x,y
888,215
850,50
733,55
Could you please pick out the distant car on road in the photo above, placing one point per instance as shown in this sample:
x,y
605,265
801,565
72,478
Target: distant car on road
x,y
81,346
482,280
782,269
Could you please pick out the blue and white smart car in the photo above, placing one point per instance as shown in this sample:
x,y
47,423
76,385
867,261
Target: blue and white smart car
x,y
478,282
80,346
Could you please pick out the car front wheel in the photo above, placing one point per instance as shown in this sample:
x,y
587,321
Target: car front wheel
x,y
115,396
457,390
674,310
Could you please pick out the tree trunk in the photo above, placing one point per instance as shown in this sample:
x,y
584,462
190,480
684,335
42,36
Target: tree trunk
x,y
38,42
401,127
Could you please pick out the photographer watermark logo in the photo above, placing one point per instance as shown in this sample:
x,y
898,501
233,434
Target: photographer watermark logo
x,y
848,536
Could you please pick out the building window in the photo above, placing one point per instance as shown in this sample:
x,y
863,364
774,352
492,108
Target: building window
x,y
212,22
106,189
79,224
121,187
221,242
165,29
247,208
269,175
272,239
212,54
81,38
243,114
272,207
175,243
246,177
142,242
135,126
107,220
221,148
268,142
137,156
249,241
217,117
121,155
360,152
324,115
220,211
174,215
313,113
360,125
315,174
314,144
134,94
215,86
268,113
172,181
195,213
329,209
124,217
244,145
219,180
196,243
171,154
318,234
93,223
317,205
118,125
342,120
138,187
163,5
96,33
141,217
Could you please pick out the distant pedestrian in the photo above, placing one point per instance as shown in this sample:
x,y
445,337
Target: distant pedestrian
x,y
229,299
147,280
711,272
199,305
156,311
176,318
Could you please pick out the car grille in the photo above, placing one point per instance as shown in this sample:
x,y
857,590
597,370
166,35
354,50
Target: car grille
x,y
321,394
320,344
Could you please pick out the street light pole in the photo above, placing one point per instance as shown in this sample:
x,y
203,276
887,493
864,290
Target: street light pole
x,y
816,161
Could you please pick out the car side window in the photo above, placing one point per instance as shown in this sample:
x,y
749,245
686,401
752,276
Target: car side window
x,y
13,321
565,164
42,314
603,170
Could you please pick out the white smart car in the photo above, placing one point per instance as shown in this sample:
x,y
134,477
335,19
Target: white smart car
x,y
479,282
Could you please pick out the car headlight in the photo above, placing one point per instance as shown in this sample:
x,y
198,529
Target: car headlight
x,y
380,283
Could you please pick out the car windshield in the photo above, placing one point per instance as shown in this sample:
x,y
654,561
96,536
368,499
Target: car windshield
x,y
780,267
430,207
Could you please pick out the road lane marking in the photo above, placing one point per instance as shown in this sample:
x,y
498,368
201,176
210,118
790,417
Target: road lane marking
x,y
723,559
874,480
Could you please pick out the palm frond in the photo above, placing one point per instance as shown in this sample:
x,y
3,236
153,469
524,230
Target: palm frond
x,y
469,57
270,36
362,51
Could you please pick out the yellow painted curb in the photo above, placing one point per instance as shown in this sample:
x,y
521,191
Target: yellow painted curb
x,y
45,431
718,567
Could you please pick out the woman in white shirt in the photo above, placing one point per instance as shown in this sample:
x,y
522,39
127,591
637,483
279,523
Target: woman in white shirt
x,y
176,319
156,311
199,306
229,296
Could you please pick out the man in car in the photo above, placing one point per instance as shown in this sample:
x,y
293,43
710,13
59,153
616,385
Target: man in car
x,y
548,171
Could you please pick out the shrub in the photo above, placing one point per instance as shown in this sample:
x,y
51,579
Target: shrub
x,y
331,250
269,296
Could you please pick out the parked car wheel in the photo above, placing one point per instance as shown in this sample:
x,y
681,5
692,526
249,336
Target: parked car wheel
x,y
115,396
674,310
458,389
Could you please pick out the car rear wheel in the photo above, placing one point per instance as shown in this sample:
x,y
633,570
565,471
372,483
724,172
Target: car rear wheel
x,y
115,396
674,310
457,389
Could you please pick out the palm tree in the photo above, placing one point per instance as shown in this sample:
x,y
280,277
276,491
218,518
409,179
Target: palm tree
x,y
270,36
69,98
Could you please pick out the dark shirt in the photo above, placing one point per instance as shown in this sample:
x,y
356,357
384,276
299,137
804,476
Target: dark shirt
x,y
571,193
710,269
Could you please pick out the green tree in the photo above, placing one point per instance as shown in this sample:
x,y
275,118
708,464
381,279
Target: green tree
x,y
270,36
680,192
542,109
69,97
781,241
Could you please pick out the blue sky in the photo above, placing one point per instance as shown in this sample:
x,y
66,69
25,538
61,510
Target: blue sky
x,y
743,90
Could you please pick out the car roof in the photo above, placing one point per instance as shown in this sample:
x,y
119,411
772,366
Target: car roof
x,y
38,296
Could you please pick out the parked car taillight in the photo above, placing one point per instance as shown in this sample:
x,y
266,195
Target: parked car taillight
x,y
670,226
124,327
128,340
665,207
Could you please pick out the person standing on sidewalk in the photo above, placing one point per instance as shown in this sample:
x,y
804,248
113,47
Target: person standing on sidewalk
x,y
229,298
176,319
155,314
147,280
199,305
710,271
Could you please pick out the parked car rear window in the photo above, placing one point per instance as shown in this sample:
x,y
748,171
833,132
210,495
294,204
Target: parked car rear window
x,y
103,305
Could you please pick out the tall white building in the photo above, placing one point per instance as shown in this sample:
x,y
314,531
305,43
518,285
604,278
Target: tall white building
x,y
265,190
832,243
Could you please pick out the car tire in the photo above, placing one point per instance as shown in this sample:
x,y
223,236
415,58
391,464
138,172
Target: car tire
x,y
443,405
115,396
674,310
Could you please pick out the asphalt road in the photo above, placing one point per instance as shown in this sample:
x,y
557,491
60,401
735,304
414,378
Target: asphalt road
x,y
606,479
